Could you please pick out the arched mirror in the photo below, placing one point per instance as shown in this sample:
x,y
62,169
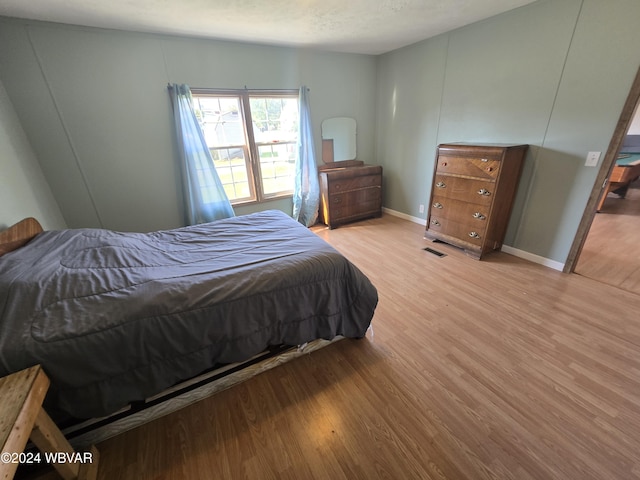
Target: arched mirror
x,y
338,139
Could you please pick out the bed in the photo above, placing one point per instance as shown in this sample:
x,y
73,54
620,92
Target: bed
x,y
117,317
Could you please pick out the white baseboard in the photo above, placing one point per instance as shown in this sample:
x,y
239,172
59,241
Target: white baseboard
x,y
395,213
505,248
547,262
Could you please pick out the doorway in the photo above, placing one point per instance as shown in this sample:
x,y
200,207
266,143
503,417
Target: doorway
x,y
613,264
610,253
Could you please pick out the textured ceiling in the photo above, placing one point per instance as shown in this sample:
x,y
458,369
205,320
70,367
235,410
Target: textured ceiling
x,y
355,26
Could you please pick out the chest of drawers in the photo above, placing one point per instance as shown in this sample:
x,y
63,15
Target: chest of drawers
x,y
350,193
472,195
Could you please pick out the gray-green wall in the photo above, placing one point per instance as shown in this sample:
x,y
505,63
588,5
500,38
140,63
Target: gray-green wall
x,y
24,192
95,107
553,74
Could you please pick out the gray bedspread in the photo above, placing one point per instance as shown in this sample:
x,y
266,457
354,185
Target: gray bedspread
x,y
117,317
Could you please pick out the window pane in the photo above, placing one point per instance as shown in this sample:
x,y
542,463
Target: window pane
x,y
277,167
221,120
231,166
223,127
274,119
275,127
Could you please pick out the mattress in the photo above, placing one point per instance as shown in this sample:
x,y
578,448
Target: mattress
x,y
117,317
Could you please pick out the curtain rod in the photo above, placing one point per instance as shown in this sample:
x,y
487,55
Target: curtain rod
x,y
271,89
170,86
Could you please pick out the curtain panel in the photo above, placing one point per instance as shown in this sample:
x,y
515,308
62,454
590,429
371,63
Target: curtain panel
x,y
205,198
306,193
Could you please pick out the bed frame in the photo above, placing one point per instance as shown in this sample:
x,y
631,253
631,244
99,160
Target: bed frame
x,y
91,432
19,234
83,433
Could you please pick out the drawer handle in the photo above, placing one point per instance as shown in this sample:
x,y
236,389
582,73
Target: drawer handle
x,y
474,235
437,205
435,222
484,192
479,216
444,164
441,185
484,159
338,186
336,200
489,169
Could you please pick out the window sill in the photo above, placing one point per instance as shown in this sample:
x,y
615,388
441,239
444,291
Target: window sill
x,y
258,202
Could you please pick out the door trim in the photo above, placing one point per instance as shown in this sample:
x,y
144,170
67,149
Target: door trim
x,y
605,170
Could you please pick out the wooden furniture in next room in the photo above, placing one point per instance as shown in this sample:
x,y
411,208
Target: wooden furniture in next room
x,y
625,171
472,195
22,417
349,191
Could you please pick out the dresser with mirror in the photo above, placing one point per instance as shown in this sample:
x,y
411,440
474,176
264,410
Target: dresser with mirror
x,y
350,189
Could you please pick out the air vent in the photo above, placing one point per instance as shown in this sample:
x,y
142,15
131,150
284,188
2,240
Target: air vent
x,y
435,252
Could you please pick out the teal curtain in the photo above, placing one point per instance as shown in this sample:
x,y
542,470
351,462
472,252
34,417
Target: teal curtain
x,y
306,193
205,198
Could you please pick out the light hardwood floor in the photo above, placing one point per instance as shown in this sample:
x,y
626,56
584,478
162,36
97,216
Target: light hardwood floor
x,y
611,253
499,369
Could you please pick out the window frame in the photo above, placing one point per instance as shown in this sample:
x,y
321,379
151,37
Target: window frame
x,y
250,148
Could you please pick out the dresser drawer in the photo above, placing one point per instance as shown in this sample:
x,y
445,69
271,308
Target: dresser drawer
x,y
472,151
465,189
355,197
483,167
462,231
363,208
473,214
347,184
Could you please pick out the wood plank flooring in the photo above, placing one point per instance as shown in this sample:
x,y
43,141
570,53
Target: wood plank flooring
x,y
499,369
611,253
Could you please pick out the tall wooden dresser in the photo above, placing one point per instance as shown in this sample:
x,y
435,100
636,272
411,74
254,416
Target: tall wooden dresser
x,y
349,190
472,195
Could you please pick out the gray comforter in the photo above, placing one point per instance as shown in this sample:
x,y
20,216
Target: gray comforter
x,y
116,317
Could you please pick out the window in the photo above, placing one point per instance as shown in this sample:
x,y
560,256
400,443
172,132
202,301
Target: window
x,y
253,138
